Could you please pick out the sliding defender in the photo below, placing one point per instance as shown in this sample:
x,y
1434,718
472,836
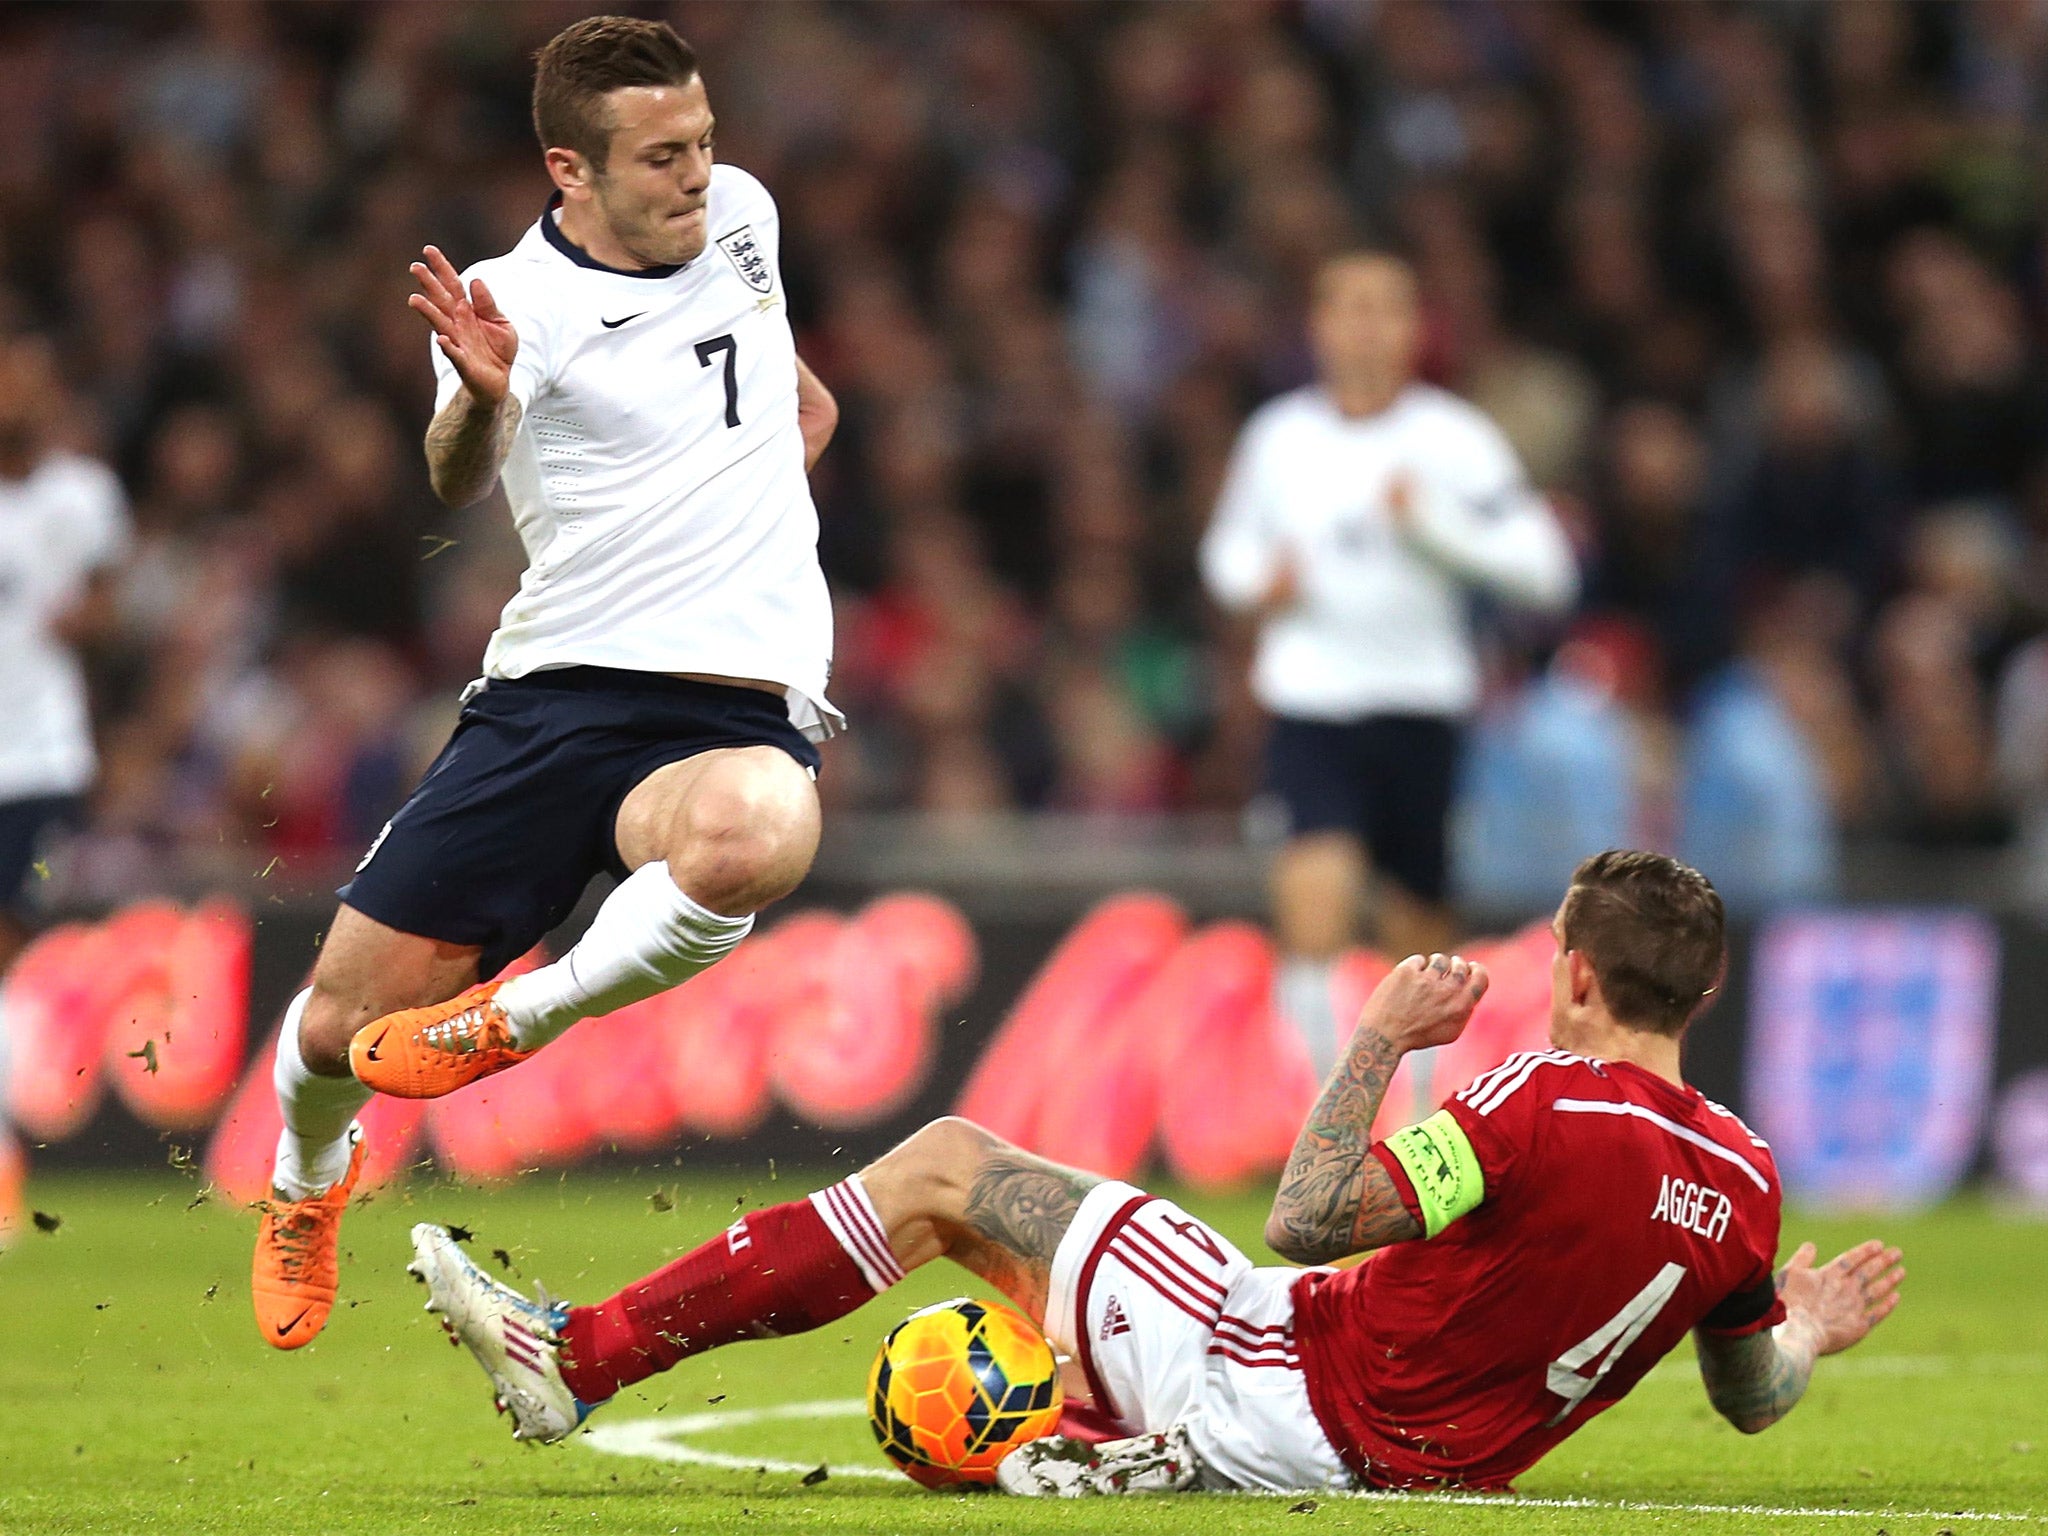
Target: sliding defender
x,y
1535,1247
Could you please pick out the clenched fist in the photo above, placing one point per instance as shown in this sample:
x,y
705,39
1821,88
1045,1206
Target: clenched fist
x,y
1428,1002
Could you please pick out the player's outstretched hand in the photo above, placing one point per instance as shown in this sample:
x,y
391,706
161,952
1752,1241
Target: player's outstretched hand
x,y
468,327
1423,1002
1842,1300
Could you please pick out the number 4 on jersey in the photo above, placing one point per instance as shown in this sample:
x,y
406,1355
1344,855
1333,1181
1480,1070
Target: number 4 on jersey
x,y
1198,1235
1609,1342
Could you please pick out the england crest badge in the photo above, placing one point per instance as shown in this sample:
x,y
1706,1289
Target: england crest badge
x,y
1871,1040
744,252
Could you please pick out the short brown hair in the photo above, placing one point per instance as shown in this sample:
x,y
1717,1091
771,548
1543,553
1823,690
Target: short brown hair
x,y
1361,256
583,63
1654,931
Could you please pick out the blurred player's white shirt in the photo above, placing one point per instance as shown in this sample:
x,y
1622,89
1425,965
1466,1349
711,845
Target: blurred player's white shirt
x,y
66,520
1381,625
657,478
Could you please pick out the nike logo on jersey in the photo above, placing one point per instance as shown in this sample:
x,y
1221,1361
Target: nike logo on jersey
x,y
613,325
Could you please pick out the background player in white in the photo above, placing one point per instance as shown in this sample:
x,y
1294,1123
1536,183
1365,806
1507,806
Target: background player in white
x,y
63,529
654,691
1358,515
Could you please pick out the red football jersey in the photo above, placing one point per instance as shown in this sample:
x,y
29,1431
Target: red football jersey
x,y
1618,1212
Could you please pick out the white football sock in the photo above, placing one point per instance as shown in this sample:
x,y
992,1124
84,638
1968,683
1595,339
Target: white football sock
x,y
313,1149
647,937
850,1215
1302,994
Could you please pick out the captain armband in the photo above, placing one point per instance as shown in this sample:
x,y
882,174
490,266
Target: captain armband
x,y
1439,1161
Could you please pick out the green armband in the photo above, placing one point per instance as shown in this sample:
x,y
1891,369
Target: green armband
x,y
1442,1166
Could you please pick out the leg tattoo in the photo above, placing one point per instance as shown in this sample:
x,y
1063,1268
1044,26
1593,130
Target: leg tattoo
x,y
1018,1209
1025,1203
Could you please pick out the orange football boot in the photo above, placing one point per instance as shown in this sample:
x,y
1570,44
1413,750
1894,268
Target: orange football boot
x,y
425,1053
298,1264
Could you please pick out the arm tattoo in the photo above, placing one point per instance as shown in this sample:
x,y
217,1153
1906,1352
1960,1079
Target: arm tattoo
x,y
466,447
1754,1382
1334,1197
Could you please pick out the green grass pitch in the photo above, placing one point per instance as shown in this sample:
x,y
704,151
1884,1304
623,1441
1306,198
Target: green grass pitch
x,y
138,1398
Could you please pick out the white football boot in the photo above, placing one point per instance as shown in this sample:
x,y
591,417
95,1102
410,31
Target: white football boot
x,y
518,1342
1058,1467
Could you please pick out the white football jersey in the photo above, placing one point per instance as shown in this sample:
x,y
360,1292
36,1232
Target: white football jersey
x,y
1381,624
657,478
67,519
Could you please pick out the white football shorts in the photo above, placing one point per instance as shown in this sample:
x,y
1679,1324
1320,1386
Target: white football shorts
x,y
1173,1325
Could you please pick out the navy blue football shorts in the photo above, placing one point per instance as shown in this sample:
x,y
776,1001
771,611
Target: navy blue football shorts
x,y
517,814
1386,779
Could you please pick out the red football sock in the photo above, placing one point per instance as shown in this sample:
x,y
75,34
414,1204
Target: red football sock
x,y
780,1271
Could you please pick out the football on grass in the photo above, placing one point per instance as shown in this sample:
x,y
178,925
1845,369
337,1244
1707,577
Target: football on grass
x,y
958,1386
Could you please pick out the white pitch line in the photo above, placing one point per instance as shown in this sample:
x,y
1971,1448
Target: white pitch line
x,y
662,1440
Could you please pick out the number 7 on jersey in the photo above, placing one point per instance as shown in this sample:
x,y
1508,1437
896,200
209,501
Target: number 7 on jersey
x,y
706,350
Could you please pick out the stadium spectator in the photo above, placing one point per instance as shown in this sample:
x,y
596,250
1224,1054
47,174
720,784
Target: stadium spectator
x,y
1358,516
1973,396
1933,650
1553,767
2023,757
1753,796
1809,492
1652,567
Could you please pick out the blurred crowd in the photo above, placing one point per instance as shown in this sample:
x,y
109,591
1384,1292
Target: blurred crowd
x,y
1760,293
